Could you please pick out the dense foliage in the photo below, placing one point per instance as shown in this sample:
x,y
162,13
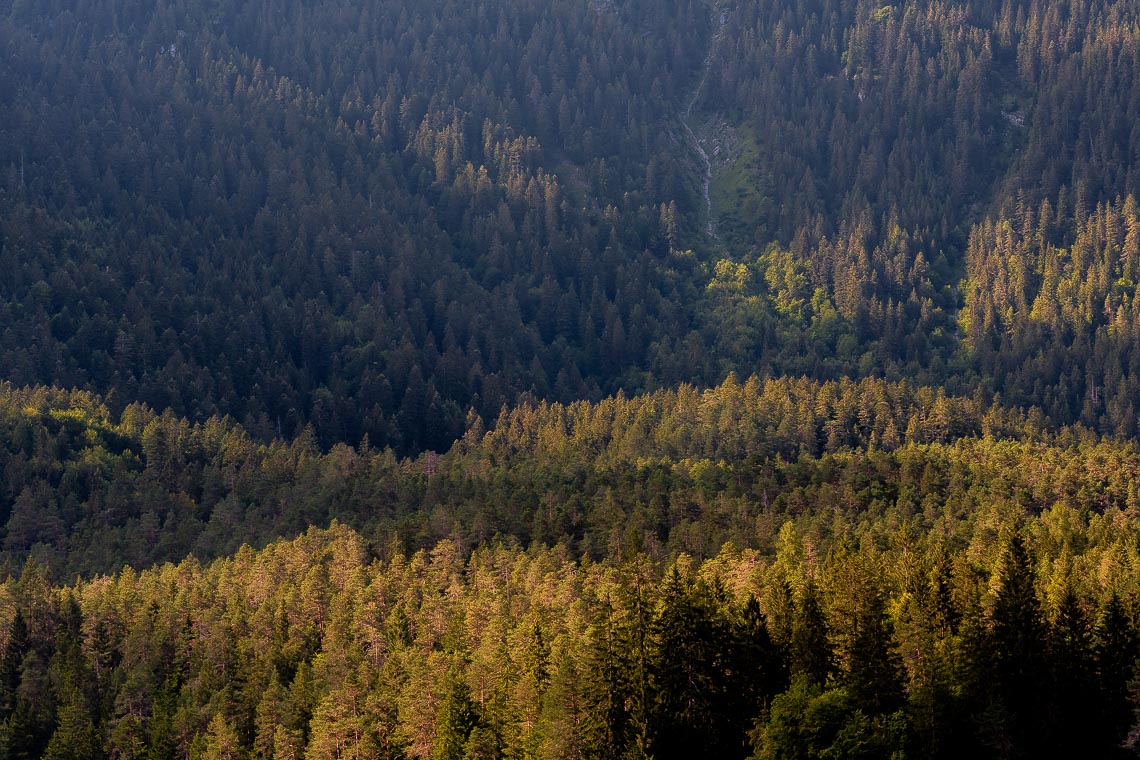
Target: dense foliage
x,y
1051,311
443,307
339,213
1010,645
669,472
372,218
862,147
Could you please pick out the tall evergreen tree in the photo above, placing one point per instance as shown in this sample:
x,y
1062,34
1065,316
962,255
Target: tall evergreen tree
x,y
811,655
690,671
456,720
874,672
12,665
1020,664
75,736
1076,704
1115,648
758,672
607,691
222,742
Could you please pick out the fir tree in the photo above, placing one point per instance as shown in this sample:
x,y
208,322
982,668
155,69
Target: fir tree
x,y
1115,649
1020,666
75,737
456,720
811,655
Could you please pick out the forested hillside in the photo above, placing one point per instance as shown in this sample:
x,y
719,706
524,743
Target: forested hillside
x,y
373,217
675,471
866,151
369,217
569,379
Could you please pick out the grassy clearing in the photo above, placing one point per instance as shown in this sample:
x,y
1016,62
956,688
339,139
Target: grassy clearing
x,y
738,191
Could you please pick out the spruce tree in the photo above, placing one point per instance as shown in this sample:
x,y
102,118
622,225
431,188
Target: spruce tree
x,y
688,674
1019,636
811,655
1115,649
222,741
874,672
12,665
606,691
1075,704
75,737
760,671
456,719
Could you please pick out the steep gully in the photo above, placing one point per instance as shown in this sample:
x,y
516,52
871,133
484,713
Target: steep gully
x,y
718,18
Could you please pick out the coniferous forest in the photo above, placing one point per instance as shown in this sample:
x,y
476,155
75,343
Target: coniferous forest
x,y
569,379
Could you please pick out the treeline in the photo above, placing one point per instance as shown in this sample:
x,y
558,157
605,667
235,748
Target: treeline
x,y
1011,644
670,472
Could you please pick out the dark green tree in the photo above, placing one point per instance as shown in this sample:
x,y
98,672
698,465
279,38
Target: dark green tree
x,y
456,720
12,665
1115,649
608,691
1076,703
691,672
810,652
874,672
1019,649
75,736
759,669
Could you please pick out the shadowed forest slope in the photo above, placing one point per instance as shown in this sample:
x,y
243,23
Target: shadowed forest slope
x,y
374,218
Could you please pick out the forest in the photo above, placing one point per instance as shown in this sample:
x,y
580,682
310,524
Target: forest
x,y
656,576
326,647
372,218
569,379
